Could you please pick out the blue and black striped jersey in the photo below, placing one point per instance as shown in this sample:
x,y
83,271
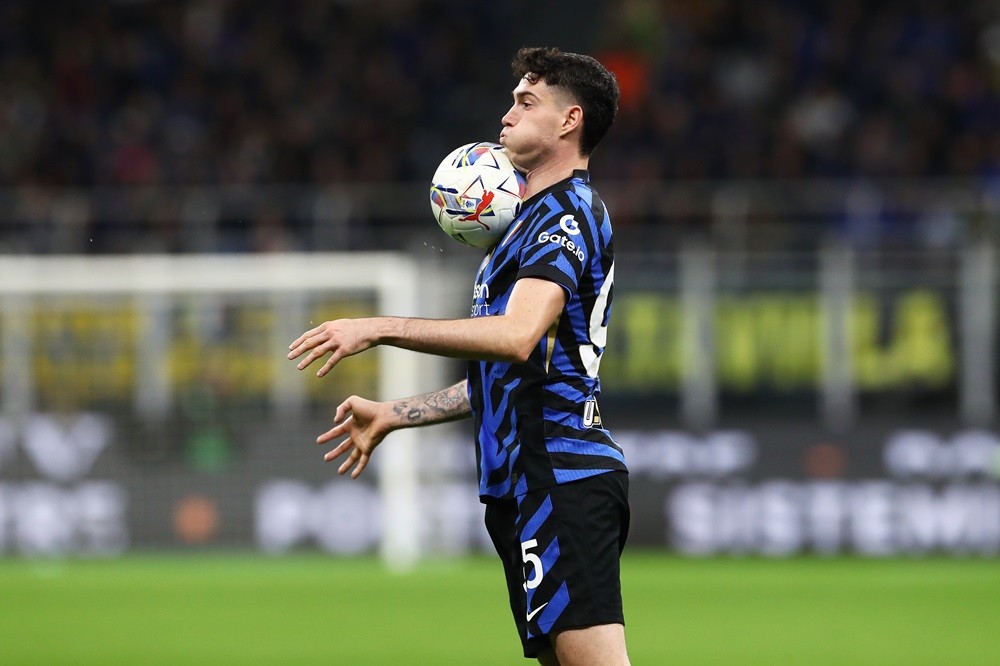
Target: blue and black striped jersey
x,y
537,422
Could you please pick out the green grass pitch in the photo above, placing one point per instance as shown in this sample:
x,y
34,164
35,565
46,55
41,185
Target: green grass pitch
x,y
231,609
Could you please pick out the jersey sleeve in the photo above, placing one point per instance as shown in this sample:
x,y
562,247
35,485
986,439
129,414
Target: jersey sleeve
x,y
559,246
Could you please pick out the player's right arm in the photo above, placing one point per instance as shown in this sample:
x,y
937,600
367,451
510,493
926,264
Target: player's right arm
x,y
366,423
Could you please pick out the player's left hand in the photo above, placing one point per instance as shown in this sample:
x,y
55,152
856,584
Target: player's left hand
x,y
339,338
366,424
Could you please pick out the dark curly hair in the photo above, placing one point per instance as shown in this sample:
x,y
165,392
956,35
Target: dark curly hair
x,y
590,83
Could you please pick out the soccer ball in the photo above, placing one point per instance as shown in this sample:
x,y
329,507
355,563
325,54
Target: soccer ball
x,y
476,193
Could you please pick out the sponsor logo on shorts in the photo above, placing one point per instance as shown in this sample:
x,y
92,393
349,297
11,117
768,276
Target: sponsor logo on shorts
x,y
536,611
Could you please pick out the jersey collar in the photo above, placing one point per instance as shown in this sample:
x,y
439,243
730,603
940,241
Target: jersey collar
x,y
578,174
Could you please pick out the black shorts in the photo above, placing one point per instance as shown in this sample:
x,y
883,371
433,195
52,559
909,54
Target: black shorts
x,y
560,548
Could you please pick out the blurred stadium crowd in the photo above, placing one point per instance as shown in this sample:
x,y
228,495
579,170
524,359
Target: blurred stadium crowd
x,y
231,92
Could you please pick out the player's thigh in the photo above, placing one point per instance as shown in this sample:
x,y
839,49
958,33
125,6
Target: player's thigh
x,y
589,646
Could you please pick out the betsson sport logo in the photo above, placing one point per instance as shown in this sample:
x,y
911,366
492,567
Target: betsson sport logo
x,y
569,225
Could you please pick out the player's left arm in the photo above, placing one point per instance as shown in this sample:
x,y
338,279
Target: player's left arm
x,y
366,422
534,305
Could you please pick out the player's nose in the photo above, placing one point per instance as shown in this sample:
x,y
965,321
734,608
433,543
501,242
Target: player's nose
x,y
508,118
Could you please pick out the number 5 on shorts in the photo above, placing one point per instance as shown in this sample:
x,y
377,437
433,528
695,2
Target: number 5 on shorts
x,y
532,581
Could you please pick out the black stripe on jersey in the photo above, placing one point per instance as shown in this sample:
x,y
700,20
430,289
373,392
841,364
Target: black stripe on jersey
x,y
572,461
561,403
533,458
550,273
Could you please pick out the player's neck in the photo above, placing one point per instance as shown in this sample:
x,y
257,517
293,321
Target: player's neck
x,y
552,171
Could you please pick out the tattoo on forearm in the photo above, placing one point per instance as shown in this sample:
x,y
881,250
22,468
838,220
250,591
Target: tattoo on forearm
x,y
448,404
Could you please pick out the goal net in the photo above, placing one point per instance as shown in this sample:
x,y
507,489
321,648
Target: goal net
x,y
147,404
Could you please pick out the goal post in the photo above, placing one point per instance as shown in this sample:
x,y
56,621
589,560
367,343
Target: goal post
x,y
285,283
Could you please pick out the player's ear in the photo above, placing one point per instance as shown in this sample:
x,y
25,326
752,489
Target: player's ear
x,y
572,118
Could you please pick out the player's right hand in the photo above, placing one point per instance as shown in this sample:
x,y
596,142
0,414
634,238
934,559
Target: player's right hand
x,y
339,338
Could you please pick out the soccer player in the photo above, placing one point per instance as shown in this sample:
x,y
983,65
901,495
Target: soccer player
x,y
554,482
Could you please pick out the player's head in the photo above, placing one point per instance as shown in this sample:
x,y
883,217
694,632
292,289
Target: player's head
x,y
575,81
